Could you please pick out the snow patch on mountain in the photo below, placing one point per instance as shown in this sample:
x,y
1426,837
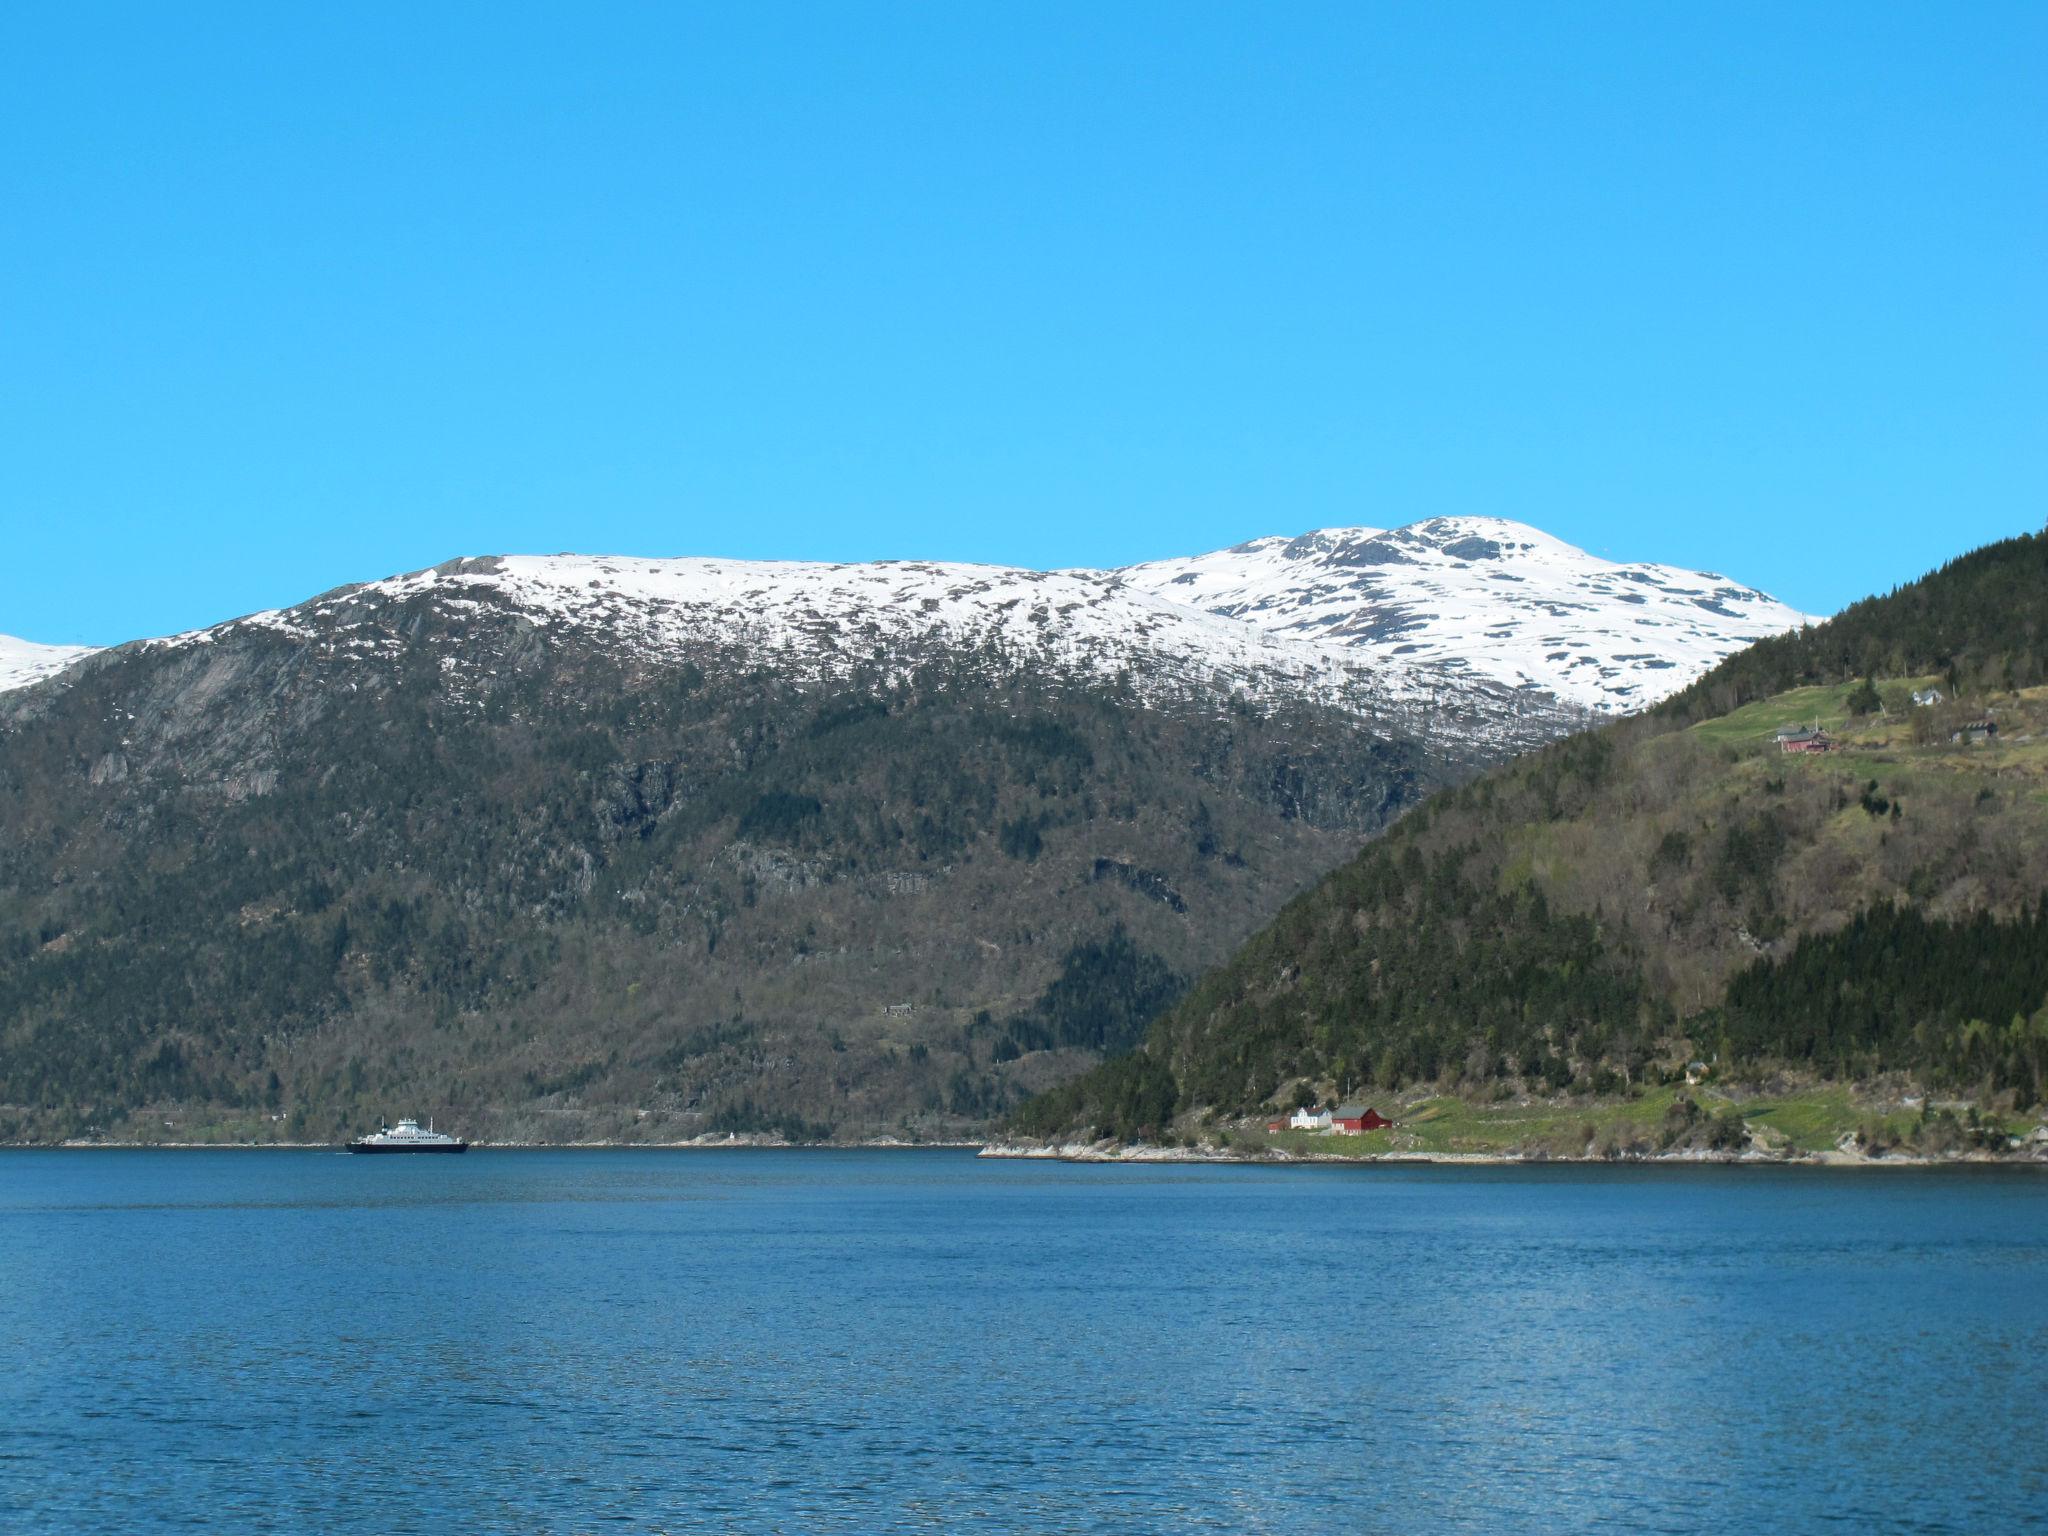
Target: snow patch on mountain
x,y
1460,631
24,661
1487,596
817,621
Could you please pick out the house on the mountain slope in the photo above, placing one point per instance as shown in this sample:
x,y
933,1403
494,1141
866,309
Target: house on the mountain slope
x,y
1971,732
1357,1119
1925,698
1309,1120
1798,738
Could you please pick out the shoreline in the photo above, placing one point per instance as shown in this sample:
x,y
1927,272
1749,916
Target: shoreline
x,y
1133,1153
1146,1153
698,1144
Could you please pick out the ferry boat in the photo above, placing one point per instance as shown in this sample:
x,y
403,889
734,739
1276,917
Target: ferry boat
x,y
407,1136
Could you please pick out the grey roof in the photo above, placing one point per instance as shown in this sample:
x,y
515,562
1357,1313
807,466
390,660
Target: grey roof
x,y
1352,1111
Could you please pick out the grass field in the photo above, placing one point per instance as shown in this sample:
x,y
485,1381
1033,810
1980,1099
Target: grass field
x,y
1760,721
1809,1121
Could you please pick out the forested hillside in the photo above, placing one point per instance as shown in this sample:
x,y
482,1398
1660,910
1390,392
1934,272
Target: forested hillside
x,y
421,854
1596,914
1977,623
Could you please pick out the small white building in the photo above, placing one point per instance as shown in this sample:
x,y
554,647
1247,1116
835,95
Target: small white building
x,y
1309,1120
1925,697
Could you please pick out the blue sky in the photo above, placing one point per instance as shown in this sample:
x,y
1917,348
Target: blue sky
x,y
292,296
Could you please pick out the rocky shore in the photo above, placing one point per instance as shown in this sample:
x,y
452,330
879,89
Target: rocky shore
x,y
2032,1153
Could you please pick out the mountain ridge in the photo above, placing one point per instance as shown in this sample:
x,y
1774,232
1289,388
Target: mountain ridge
x,y
1603,635
1469,611
23,662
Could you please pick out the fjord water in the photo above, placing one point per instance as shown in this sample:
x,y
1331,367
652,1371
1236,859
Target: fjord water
x,y
866,1341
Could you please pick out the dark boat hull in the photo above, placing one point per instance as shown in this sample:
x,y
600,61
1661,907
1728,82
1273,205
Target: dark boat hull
x,y
453,1146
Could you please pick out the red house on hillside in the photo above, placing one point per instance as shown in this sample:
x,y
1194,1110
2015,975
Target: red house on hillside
x,y
1357,1119
1799,739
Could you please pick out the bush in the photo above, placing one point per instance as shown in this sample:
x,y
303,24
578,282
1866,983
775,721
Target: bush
x,y
1729,1133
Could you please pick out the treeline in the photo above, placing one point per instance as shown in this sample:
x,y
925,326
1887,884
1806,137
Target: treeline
x,y
1450,980
1132,1098
1106,992
1981,621
1963,1002
746,1118
1499,988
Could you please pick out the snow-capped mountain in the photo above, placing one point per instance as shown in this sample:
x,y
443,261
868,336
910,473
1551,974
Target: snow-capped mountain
x,y
1462,627
814,622
1484,596
652,844
23,661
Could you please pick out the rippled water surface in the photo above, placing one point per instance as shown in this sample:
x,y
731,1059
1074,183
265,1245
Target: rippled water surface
x,y
866,1341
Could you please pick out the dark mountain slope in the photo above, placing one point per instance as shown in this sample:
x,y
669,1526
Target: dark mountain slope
x,y
414,853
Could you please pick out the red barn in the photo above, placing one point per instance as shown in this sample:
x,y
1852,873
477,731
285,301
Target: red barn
x,y
1357,1119
1799,739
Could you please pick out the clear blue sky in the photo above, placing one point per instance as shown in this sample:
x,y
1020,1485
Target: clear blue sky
x,y
296,295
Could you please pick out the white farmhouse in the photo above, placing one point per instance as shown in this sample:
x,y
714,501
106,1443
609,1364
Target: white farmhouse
x,y
1309,1120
